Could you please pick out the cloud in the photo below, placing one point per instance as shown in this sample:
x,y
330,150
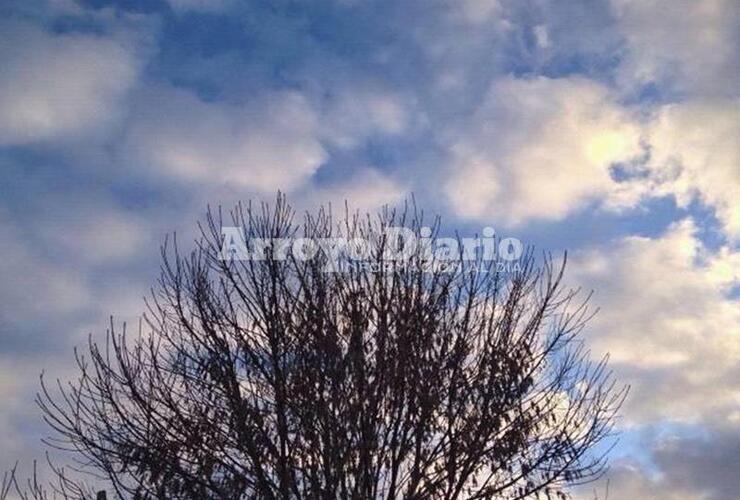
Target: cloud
x,y
670,318
695,154
17,382
545,148
366,190
358,111
692,466
670,322
64,273
541,148
477,11
56,86
32,286
269,143
96,234
200,5
689,46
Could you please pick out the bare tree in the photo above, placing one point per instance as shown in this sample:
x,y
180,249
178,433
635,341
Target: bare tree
x,y
274,378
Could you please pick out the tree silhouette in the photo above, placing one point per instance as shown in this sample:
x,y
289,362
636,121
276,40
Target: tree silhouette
x,y
277,378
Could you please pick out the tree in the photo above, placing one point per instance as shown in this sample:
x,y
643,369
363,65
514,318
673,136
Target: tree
x,y
278,378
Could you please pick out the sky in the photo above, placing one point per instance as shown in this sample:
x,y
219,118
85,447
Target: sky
x,y
605,127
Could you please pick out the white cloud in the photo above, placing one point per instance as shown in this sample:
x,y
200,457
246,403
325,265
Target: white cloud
x,y
56,86
49,305
541,148
670,322
683,465
541,36
358,111
21,422
200,5
365,190
477,11
32,287
630,480
686,45
14,385
695,153
96,234
267,144
59,276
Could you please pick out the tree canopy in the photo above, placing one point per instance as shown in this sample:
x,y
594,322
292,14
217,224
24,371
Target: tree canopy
x,y
282,378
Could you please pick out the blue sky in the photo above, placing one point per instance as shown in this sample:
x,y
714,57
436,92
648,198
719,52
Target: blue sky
x,y
608,128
